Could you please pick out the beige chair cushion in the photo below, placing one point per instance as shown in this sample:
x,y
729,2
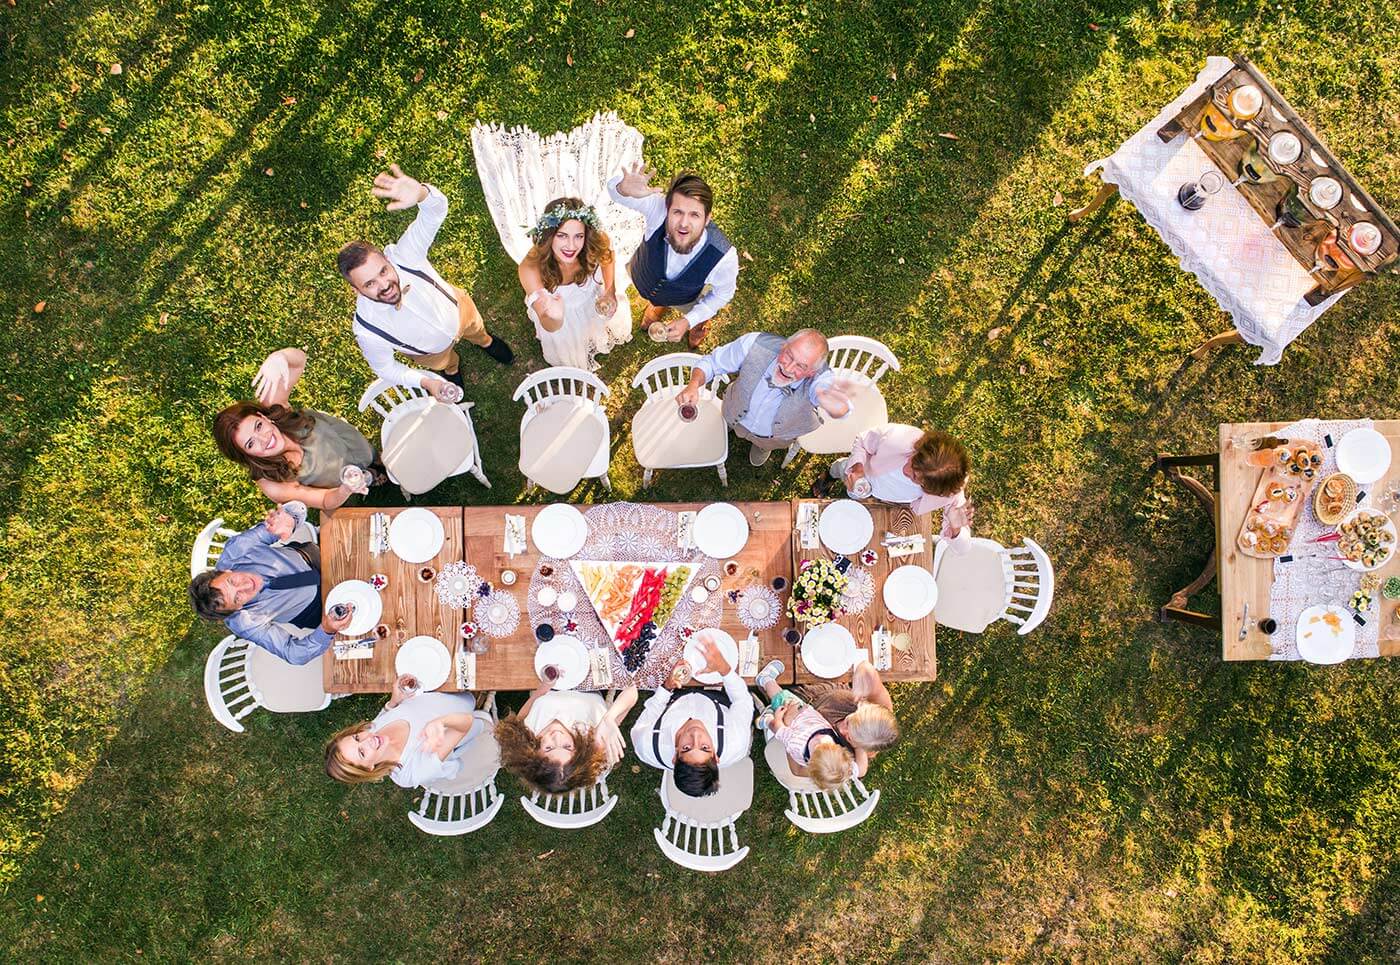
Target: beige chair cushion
x,y
559,443
480,760
282,687
425,446
971,589
775,753
836,436
734,796
662,441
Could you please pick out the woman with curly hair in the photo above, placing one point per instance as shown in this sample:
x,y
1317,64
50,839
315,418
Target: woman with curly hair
x,y
563,739
570,281
292,453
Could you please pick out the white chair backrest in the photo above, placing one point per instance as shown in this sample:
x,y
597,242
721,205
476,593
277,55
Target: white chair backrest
x,y
226,688
1030,580
471,801
864,356
812,809
709,843
384,396
560,382
209,546
667,373
579,808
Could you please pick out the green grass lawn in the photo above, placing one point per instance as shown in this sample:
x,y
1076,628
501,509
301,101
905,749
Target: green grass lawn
x,y
1104,789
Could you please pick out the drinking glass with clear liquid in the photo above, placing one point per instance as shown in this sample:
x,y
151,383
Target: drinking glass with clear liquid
x,y
353,478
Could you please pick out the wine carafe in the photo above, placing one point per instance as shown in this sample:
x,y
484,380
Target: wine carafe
x,y
1215,126
1254,169
1331,256
1292,212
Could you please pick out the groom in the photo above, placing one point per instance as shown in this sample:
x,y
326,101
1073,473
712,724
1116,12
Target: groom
x,y
404,305
685,262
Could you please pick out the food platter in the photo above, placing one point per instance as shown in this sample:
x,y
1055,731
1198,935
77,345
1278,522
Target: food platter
x,y
1366,539
633,600
1334,498
1285,485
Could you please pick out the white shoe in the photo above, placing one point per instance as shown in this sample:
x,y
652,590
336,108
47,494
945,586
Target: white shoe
x,y
769,673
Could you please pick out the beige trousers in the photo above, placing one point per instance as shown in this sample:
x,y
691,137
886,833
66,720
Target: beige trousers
x,y
470,326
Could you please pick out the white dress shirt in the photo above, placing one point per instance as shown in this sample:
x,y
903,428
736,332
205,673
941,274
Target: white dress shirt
x,y
764,403
738,723
723,278
424,317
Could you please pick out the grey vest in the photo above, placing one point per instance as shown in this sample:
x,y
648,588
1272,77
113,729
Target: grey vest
x,y
796,415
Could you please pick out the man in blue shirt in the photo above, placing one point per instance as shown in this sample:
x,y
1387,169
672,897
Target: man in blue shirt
x,y
269,594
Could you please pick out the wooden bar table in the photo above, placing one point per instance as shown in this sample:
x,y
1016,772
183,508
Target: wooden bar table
x,y
1249,579
920,661
510,663
411,607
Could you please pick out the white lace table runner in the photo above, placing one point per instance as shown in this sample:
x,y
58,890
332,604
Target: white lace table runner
x,y
1311,577
628,531
1226,245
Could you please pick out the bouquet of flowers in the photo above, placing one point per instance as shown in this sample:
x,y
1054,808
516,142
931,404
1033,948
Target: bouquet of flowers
x,y
816,593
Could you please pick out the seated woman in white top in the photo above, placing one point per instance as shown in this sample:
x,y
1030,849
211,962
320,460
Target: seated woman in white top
x,y
563,739
416,740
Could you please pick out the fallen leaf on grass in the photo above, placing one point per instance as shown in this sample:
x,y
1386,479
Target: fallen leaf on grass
x,y
104,130
418,75
630,33
62,124
569,59
40,306
901,261
441,115
1059,199
164,317
116,69
268,172
1093,26
996,333
288,101
874,98
746,256
949,135
303,204
380,153
540,857
73,88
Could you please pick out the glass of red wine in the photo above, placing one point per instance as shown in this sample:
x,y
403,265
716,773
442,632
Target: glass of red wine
x,y
791,637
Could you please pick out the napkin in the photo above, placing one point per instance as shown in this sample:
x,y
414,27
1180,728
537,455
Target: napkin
x,y
880,647
901,546
808,519
685,530
748,656
600,665
379,534
354,649
515,534
466,668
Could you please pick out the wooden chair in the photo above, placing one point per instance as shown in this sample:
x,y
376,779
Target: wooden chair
x,y
579,808
701,833
863,362
565,405
406,411
812,809
660,439
240,677
990,582
469,801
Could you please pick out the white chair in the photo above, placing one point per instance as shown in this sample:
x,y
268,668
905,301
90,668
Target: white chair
x,y
209,546
660,439
564,434
699,833
240,677
579,808
990,582
470,800
812,809
410,411
862,362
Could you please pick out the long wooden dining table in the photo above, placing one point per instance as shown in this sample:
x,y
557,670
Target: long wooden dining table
x,y
474,534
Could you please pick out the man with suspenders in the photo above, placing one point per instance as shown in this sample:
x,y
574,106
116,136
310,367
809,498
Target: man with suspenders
x,y
404,305
697,732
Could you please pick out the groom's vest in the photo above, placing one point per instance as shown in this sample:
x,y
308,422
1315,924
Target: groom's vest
x,y
648,268
796,415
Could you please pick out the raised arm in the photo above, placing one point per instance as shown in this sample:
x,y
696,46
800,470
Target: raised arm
x,y
314,496
402,191
867,685
632,189
278,373
547,305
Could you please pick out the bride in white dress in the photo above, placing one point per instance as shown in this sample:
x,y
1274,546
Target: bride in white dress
x,y
525,177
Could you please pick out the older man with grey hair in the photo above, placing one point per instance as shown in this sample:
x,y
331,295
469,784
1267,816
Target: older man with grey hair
x,y
778,386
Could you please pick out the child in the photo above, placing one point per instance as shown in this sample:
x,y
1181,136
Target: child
x,y
815,749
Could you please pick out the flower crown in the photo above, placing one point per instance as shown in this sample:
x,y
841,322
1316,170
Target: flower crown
x,y
558,214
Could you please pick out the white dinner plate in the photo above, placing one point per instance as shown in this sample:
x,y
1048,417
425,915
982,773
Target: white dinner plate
x,y
846,527
366,601
721,530
415,535
1364,455
1320,643
425,658
828,650
696,659
559,530
910,592
569,655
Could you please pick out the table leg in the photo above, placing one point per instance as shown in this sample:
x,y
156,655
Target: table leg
x,y
1231,337
1105,192
1176,609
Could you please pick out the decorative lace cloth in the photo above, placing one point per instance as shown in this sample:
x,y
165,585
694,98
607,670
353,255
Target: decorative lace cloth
x,y
457,584
521,173
860,590
628,532
1226,245
510,618
1312,578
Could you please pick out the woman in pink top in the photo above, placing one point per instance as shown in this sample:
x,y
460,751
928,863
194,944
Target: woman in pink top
x,y
924,470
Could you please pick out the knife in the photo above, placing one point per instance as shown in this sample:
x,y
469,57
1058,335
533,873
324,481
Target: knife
x,y
1244,621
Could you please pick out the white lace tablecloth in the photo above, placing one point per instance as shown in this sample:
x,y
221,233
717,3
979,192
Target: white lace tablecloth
x,y
1311,577
1226,245
628,532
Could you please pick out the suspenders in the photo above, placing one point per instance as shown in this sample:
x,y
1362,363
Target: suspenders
x,y
721,701
410,349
